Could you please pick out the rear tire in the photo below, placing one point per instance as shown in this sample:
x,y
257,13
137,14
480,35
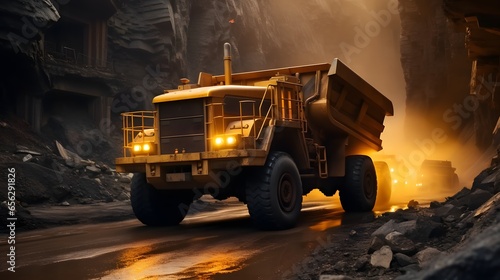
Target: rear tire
x,y
155,207
360,189
384,183
274,196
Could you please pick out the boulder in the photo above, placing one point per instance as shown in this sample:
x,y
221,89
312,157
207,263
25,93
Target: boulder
x,y
399,243
462,193
124,179
477,198
434,204
426,228
123,196
486,180
446,210
479,258
385,229
413,204
404,260
65,203
27,157
406,227
361,262
404,215
340,266
450,219
382,257
428,254
375,244
93,169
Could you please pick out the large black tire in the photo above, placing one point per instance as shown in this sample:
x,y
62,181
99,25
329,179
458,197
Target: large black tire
x,y
155,207
384,183
274,194
360,188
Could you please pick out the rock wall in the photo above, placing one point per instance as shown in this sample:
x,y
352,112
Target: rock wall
x,y
22,24
436,70
157,42
450,57
480,24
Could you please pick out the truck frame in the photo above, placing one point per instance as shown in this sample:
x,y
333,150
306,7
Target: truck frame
x,y
266,137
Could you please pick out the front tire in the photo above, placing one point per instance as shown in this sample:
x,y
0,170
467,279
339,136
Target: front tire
x,y
155,207
360,189
274,196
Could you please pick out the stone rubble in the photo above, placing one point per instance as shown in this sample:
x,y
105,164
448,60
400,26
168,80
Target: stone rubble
x,y
455,239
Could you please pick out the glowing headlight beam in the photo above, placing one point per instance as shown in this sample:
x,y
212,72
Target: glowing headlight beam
x,y
219,141
230,140
146,147
137,148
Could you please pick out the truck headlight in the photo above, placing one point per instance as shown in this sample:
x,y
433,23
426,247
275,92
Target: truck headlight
x,y
219,141
231,140
137,148
227,141
142,148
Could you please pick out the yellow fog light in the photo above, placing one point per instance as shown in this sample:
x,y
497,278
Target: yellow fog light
x,y
231,140
137,148
219,141
143,148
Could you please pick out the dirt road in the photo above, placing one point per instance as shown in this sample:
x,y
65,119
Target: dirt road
x,y
220,244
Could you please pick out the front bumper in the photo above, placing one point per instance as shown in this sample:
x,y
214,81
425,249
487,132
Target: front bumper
x,y
194,168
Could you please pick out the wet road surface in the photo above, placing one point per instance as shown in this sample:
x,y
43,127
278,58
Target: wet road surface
x,y
220,244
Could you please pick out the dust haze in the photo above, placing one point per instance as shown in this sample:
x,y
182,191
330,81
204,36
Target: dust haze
x,y
366,36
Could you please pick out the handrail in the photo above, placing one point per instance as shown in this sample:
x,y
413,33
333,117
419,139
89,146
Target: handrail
x,y
241,112
134,123
270,110
263,99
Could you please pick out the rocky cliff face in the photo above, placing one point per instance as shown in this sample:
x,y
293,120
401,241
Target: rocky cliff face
x,y
22,24
436,69
157,42
449,53
480,24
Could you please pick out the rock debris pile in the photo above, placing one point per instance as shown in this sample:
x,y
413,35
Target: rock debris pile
x,y
47,174
455,239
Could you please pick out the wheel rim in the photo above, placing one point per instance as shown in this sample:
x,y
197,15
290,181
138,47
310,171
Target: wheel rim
x,y
368,186
286,193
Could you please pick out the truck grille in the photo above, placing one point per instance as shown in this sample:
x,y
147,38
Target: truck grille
x,y
182,126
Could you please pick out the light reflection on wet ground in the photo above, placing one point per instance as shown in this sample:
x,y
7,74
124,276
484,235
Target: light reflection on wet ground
x,y
218,244
174,266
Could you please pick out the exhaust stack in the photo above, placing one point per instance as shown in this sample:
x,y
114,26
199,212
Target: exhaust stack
x,y
228,73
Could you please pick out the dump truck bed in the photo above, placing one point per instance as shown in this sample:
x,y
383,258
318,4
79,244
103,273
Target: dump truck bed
x,y
345,104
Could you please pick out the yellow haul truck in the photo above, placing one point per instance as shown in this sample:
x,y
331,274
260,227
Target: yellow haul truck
x,y
266,137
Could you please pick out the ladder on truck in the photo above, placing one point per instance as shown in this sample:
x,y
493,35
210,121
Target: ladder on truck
x,y
287,106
